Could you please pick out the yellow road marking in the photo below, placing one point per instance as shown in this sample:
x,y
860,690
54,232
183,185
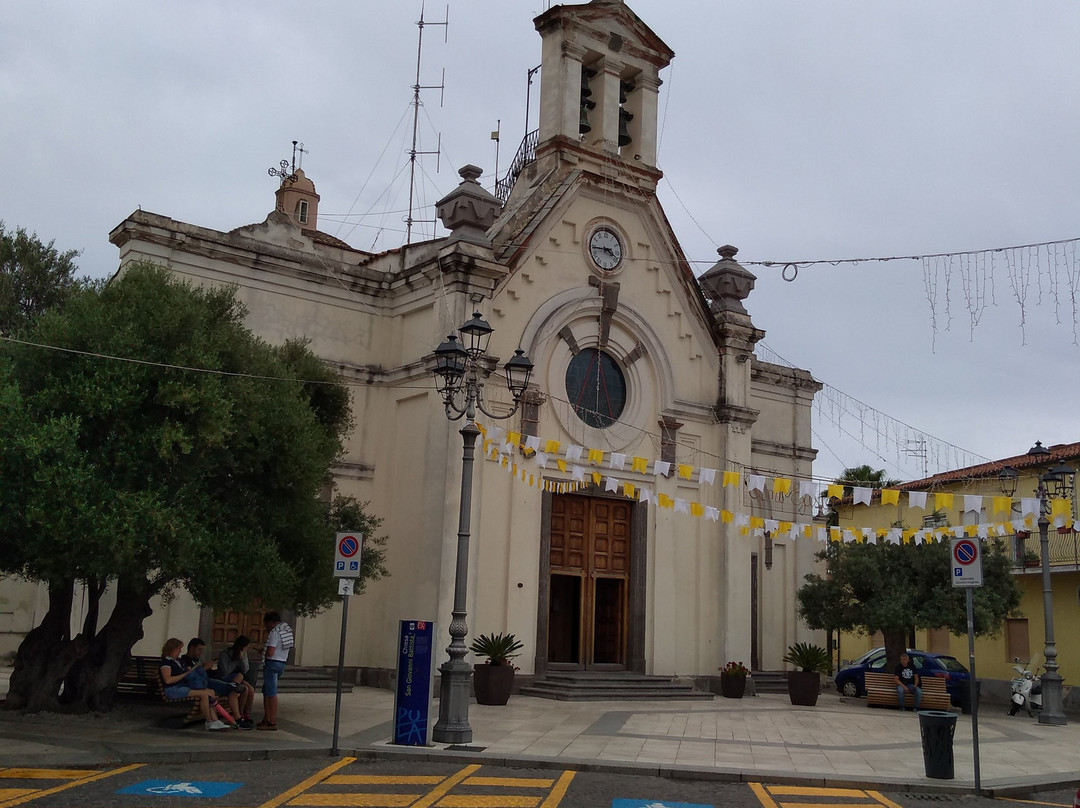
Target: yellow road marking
x,y
556,794
351,800
763,795
821,804
437,793
47,774
877,795
509,782
303,786
502,801
381,779
56,789
11,793
815,791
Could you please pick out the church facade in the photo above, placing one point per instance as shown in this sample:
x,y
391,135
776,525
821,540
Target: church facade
x,y
595,536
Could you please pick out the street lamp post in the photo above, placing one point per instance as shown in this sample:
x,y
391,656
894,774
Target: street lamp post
x,y
1058,481
460,371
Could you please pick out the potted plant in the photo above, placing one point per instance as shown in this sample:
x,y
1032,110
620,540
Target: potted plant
x,y
733,680
493,680
804,683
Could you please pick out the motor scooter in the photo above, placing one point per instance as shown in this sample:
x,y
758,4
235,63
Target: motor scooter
x,y
1026,692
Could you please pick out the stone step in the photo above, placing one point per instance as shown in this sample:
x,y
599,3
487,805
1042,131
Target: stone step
x,y
580,686
769,681
312,680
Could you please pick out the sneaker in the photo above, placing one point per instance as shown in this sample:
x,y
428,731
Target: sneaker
x,y
245,723
216,725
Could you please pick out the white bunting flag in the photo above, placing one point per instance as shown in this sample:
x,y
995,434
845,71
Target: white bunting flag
x,y
861,495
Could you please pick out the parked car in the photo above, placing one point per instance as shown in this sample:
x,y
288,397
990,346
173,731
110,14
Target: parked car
x,y
851,681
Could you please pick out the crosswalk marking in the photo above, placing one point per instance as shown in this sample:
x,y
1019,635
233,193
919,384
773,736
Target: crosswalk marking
x,y
500,801
351,800
818,791
303,786
11,793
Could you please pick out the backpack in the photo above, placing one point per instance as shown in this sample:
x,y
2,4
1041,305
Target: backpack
x,y
286,634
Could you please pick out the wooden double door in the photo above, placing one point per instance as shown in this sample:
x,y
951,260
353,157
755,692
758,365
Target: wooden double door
x,y
589,583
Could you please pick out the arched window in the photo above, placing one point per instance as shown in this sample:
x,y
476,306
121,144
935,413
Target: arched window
x,y
596,387
301,211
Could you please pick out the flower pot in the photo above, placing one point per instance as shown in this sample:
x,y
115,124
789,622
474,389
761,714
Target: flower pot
x,y
732,687
493,683
803,687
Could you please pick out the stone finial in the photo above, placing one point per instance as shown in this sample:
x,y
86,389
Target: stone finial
x,y
726,284
469,210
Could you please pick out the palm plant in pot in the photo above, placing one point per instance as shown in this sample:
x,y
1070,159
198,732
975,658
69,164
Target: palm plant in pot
x,y
804,683
494,679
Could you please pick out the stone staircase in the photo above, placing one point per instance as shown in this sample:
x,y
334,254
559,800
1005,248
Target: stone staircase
x,y
312,680
619,686
769,681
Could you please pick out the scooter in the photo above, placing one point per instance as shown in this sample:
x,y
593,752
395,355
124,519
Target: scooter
x,y
1026,692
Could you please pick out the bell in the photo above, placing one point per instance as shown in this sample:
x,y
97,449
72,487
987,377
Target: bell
x,y
624,132
583,124
625,88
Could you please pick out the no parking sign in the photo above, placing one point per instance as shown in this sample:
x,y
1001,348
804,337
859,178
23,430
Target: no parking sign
x,y
347,555
966,563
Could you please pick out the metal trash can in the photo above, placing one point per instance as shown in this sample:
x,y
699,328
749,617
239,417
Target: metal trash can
x,y
937,728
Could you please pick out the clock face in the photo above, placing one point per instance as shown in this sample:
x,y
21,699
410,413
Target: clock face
x,y
605,249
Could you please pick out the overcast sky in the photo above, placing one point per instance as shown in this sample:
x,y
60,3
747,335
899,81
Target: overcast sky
x,y
793,130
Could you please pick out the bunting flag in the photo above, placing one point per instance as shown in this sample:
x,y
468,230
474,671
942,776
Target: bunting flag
x,y
500,446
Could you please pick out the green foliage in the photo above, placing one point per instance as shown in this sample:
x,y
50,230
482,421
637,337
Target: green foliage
x,y
498,648
148,471
34,278
895,588
806,656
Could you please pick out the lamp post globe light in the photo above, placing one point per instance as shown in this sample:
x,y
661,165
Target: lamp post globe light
x,y
460,370
1059,483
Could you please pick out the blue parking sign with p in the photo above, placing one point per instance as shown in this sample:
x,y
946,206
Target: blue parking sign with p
x,y
340,566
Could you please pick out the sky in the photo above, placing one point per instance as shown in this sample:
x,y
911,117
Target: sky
x,y
840,129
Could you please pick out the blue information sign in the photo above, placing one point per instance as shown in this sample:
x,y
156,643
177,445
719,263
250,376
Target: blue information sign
x,y
415,675
180,788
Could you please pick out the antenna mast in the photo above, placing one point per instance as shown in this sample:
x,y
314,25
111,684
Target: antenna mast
x,y
417,87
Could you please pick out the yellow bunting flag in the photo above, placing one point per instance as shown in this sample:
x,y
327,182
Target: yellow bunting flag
x,y
727,517
731,478
756,522
784,527
971,530
597,477
697,509
664,501
1060,507
561,464
834,534
836,491
629,490
551,447
686,472
781,485
890,496
943,501
513,437
531,479
596,456
482,428
1002,505
640,465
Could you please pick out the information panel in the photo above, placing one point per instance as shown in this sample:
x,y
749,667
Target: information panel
x,y
415,678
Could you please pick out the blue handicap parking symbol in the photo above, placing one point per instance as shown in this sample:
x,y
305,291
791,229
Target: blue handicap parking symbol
x,y
655,804
183,788
354,566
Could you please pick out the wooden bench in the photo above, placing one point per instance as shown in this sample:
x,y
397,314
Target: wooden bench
x,y
142,677
881,692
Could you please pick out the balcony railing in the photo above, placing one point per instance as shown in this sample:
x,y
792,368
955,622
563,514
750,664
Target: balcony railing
x,y
526,153
1027,553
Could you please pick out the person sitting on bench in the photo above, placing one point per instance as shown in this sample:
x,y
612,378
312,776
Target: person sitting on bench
x,y
199,677
178,683
907,681
233,667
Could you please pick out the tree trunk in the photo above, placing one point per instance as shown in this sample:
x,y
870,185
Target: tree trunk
x,y
45,655
91,684
895,644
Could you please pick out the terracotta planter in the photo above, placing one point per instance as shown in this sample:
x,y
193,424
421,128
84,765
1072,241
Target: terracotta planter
x,y
732,687
493,683
803,688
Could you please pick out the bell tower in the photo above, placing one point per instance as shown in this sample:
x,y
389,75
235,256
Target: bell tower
x,y
600,81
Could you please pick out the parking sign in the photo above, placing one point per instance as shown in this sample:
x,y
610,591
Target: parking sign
x,y
348,551
966,563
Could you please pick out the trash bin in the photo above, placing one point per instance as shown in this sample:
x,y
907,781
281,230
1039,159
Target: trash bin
x,y
937,728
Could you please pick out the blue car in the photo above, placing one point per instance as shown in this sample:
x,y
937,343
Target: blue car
x,y
850,680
